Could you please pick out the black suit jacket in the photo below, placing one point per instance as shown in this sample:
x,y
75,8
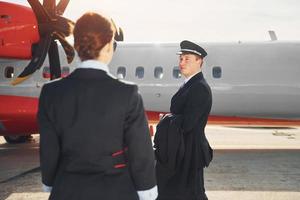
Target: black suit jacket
x,y
192,104
85,121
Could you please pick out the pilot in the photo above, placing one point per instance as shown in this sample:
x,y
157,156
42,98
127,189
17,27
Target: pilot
x,y
94,137
190,108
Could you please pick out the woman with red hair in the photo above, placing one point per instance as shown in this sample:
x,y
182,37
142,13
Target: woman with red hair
x,y
95,142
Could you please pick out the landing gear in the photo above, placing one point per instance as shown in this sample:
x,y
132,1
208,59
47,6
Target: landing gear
x,y
17,139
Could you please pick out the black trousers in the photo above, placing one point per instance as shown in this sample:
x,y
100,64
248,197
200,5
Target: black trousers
x,y
178,186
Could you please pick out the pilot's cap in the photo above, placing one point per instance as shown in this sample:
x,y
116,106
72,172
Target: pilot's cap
x,y
190,47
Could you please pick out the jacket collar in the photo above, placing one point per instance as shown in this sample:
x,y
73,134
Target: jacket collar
x,y
189,78
89,73
198,76
91,69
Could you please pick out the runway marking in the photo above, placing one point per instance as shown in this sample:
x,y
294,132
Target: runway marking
x,y
5,148
214,195
255,147
36,169
31,196
250,195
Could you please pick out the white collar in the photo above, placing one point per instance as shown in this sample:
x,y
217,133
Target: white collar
x,y
189,78
94,64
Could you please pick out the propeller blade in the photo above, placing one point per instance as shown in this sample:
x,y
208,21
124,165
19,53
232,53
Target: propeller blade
x,y
54,63
36,61
50,6
41,14
120,35
51,26
69,50
63,25
61,6
115,45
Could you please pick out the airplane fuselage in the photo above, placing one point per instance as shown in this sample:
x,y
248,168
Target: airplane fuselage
x,y
248,80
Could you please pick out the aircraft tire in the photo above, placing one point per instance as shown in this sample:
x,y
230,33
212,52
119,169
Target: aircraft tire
x,y
16,139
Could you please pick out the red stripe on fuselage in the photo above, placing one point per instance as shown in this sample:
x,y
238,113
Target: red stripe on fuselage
x,y
18,116
153,117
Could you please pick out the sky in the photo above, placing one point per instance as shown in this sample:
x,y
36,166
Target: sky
x,y
196,20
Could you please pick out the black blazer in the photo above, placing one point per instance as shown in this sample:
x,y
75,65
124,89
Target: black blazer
x,y
86,120
192,104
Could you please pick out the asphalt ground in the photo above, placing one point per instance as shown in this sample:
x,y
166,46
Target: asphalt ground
x,y
249,163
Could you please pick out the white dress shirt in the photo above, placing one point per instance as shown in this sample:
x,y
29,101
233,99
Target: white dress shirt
x,y
94,64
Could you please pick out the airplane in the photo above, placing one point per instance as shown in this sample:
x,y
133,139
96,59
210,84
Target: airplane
x,y
253,83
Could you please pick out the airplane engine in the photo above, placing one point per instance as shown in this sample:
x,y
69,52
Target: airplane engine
x,y
18,31
32,33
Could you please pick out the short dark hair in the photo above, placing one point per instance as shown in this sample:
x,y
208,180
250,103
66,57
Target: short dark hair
x,y
91,33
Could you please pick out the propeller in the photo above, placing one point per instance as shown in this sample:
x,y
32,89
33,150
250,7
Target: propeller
x,y
119,35
52,26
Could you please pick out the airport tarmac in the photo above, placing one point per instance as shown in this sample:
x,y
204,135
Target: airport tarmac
x,y
249,163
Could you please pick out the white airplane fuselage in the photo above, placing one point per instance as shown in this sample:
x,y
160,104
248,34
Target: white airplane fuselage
x,y
257,79
250,80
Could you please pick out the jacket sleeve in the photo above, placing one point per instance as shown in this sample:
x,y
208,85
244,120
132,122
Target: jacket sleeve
x,y
49,142
138,141
196,106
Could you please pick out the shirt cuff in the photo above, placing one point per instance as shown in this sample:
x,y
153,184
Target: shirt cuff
x,y
47,188
150,194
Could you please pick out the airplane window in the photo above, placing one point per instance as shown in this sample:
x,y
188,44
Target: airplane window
x,y
121,72
9,72
217,72
5,16
46,72
65,71
139,72
158,72
176,72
